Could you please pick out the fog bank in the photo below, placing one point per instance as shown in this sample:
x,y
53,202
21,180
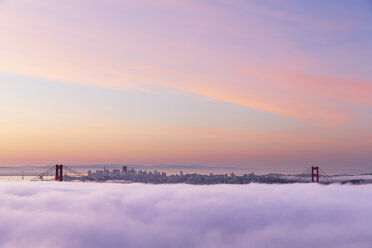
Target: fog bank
x,y
50,214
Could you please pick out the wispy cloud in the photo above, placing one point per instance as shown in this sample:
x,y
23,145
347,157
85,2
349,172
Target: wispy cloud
x,y
305,67
135,215
201,58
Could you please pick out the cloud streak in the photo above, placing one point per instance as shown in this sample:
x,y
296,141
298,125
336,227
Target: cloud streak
x,y
136,215
263,69
211,63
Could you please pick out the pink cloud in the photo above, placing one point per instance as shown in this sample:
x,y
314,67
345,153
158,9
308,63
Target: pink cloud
x,y
268,74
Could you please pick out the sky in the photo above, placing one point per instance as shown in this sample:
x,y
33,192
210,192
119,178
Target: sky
x,y
52,214
273,85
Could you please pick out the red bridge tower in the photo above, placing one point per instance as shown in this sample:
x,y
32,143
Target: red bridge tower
x,y
315,174
59,173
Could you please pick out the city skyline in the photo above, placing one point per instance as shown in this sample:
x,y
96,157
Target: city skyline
x,y
277,86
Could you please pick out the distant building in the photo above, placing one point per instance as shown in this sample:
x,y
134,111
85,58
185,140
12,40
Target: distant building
x,y
157,177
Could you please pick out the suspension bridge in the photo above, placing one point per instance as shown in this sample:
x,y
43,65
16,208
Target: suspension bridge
x,y
61,173
315,174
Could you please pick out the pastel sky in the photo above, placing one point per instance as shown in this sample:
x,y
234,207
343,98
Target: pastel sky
x,y
272,85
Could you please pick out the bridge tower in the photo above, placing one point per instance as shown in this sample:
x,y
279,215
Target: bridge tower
x,y
315,174
59,173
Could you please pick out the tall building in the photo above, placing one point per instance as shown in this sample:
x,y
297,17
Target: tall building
x,y
125,170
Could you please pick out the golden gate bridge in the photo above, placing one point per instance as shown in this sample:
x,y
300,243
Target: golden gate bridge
x,y
61,173
56,173
315,175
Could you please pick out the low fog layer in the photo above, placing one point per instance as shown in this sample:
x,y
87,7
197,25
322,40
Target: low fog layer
x,y
50,214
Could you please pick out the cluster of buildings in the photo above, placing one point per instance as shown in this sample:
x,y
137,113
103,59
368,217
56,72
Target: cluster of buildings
x,y
156,177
